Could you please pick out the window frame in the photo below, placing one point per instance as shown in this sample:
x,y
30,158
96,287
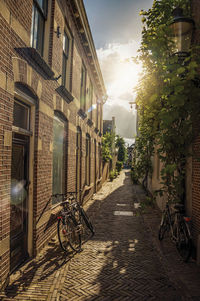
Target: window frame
x,y
58,116
27,107
41,12
91,91
83,87
67,59
88,160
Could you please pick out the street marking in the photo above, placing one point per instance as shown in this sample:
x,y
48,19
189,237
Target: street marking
x,y
124,213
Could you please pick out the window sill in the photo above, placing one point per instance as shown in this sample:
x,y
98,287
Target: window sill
x,y
82,114
64,93
21,131
33,57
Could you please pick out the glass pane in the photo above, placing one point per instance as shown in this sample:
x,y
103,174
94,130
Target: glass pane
x,y
18,192
40,34
32,26
21,116
35,30
64,70
182,35
58,155
41,3
65,43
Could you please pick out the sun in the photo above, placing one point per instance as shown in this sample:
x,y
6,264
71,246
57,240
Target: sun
x,y
125,78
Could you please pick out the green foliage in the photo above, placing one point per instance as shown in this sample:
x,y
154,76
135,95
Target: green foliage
x,y
122,152
108,141
119,165
167,99
113,174
134,176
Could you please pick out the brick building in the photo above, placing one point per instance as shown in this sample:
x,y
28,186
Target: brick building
x,y
51,97
192,200
193,170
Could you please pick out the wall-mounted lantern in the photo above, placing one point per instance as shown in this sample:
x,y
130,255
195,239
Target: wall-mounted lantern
x,y
182,31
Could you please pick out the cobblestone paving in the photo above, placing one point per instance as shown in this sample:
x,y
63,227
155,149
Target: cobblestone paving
x,y
123,261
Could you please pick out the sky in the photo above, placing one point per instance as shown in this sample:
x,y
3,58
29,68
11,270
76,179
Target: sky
x,y
116,28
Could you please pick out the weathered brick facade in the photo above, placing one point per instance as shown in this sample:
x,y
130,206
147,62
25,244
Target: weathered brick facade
x,y
29,79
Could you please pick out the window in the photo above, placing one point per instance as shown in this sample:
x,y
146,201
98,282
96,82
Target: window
x,y
21,115
66,60
90,100
39,15
98,115
59,155
87,160
83,88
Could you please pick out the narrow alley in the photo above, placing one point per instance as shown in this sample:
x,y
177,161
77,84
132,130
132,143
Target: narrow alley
x,y
123,261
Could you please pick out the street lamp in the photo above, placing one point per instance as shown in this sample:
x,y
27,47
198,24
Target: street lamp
x,y
182,30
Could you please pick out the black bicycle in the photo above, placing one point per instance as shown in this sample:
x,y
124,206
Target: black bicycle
x,y
72,222
87,227
69,226
177,224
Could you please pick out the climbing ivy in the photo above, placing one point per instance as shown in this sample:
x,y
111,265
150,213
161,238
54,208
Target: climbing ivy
x,y
122,152
108,142
167,99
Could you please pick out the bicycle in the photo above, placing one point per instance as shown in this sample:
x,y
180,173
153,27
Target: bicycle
x,y
83,217
178,225
72,222
69,226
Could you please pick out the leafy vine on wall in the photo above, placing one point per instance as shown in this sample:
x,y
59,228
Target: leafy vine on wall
x,y
167,100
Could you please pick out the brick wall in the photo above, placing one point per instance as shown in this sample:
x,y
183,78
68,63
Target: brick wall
x,y
15,66
196,144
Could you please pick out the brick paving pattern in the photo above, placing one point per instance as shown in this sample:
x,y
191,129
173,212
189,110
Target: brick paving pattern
x,y
123,261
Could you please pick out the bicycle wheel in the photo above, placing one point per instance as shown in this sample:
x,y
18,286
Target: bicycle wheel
x,y
63,231
184,241
86,222
69,235
163,226
74,235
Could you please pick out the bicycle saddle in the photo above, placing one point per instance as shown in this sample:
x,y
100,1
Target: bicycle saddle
x,y
179,207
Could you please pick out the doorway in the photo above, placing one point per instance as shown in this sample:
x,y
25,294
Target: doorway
x,y
19,200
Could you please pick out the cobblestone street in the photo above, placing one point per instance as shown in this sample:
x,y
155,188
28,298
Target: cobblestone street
x,y
123,261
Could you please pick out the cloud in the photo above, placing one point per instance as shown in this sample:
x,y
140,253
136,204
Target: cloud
x,y
119,71
125,120
120,75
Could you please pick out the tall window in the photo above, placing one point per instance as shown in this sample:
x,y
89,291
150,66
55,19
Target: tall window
x,y
83,87
98,117
66,61
87,160
90,100
59,155
39,15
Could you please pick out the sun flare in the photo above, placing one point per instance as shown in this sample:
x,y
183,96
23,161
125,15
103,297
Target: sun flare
x,y
125,78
